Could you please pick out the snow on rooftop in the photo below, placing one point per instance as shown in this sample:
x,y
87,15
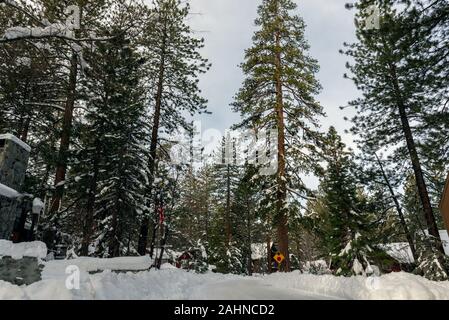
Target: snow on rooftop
x,y
16,140
445,238
35,249
401,250
8,192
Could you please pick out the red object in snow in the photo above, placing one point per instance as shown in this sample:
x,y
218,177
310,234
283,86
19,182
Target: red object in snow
x,y
161,215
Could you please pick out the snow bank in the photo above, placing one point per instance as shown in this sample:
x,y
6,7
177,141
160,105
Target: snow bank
x,y
35,249
10,291
8,192
168,284
176,284
57,268
394,286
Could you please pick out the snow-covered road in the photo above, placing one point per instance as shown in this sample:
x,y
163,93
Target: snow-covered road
x,y
174,284
251,289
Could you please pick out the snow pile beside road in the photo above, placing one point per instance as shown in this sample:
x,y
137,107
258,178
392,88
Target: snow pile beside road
x,y
394,286
176,284
168,284
57,268
35,249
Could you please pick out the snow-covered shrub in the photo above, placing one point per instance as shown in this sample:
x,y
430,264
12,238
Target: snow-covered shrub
x,y
358,258
229,260
199,259
318,267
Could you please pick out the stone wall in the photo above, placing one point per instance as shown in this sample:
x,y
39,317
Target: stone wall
x,y
8,213
14,156
13,162
21,271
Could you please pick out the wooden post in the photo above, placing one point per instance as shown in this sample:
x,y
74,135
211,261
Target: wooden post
x,y
444,204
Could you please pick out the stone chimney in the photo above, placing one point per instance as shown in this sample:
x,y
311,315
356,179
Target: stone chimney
x,y
14,154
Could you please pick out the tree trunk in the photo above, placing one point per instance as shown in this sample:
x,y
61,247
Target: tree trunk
x,y
90,210
419,176
281,219
144,229
61,166
155,227
162,244
249,238
269,260
25,129
114,244
228,207
399,210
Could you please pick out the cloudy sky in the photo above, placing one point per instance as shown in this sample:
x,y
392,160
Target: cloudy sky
x,y
228,25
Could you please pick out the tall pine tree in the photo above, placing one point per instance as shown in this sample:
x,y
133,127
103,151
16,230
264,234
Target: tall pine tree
x,y
278,93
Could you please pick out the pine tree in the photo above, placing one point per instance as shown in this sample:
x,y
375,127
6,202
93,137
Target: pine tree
x,y
111,167
429,261
55,11
174,64
385,185
348,236
249,227
223,175
278,93
399,73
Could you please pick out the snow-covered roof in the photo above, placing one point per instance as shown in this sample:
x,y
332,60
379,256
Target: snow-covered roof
x,y
445,238
35,249
16,140
401,250
8,192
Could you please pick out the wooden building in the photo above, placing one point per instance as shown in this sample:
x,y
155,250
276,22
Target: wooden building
x,y
444,204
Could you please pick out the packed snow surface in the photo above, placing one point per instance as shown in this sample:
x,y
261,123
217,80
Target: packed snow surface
x,y
35,249
172,283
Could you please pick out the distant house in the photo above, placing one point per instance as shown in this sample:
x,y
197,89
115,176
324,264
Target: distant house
x,y
401,252
184,260
444,204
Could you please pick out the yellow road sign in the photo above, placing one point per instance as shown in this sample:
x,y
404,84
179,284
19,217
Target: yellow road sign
x,y
279,257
